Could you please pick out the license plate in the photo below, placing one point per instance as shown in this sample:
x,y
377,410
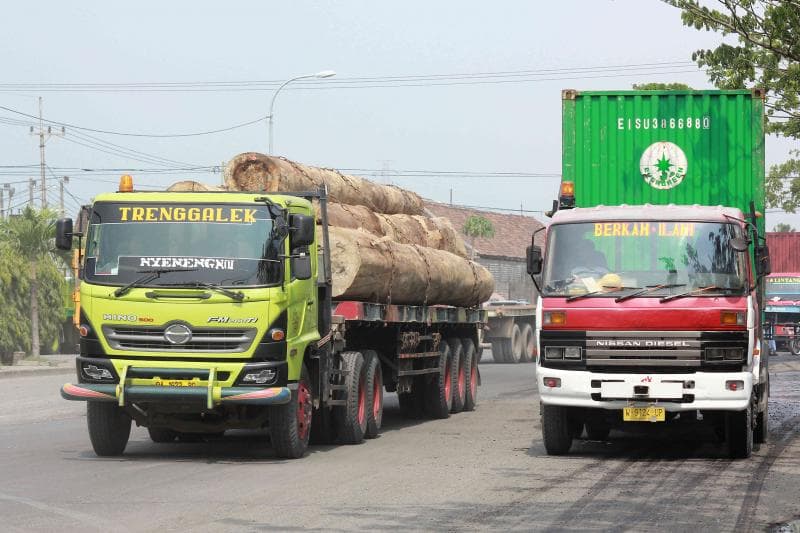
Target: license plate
x,y
175,383
644,414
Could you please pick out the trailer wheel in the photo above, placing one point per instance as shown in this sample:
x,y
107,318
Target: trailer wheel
x,y
459,374
501,350
515,355
528,344
162,435
556,429
351,419
794,346
412,404
109,428
440,397
739,433
471,357
290,424
374,394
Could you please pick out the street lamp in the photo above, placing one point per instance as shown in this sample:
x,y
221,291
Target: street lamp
x,y
319,75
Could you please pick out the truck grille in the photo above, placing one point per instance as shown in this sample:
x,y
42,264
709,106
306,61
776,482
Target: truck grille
x,y
661,348
203,340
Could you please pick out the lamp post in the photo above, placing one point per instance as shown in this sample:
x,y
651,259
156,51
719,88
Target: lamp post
x,y
318,75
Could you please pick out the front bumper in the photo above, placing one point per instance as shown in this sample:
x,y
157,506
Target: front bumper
x,y
674,392
208,396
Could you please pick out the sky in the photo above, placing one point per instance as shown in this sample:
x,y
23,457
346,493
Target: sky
x,y
456,99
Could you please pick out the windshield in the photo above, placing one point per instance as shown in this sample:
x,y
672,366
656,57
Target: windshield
x,y
655,258
224,244
783,288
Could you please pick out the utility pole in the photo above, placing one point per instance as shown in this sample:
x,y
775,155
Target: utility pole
x,y
2,207
10,190
31,186
43,136
61,183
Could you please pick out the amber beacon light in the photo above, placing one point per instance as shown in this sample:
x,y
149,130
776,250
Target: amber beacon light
x,y
126,183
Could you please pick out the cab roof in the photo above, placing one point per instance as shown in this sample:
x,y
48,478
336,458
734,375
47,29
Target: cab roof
x,y
191,197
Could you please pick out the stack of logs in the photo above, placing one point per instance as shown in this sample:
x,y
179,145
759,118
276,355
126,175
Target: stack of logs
x,y
383,246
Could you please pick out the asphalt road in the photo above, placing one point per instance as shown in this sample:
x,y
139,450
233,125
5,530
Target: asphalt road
x,y
484,470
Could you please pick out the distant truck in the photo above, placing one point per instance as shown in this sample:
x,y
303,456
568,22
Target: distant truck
x,y
509,331
783,310
651,311
202,312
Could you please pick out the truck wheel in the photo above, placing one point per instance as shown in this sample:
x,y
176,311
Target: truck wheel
x,y
471,368
515,356
374,394
597,430
794,346
528,344
556,429
412,404
762,426
739,429
162,435
351,419
500,349
109,428
290,424
459,374
440,397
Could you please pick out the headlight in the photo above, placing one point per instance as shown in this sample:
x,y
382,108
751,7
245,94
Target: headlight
x,y
724,354
554,352
572,352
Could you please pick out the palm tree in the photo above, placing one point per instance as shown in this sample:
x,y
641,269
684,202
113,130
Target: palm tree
x,y
477,226
29,235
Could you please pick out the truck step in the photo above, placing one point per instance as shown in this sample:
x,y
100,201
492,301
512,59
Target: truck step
x,y
418,355
419,372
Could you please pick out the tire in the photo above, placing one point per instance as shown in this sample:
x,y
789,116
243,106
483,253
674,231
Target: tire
x,y
109,428
374,394
794,346
499,349
762,426
351,419
290,424
556,429
471,358
597,430
458,375
440,395
515,354
528,344
162,435
739,433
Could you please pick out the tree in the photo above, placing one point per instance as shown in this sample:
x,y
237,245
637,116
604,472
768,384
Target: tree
x,y
766,55
28,236
477,226
655,86
783,228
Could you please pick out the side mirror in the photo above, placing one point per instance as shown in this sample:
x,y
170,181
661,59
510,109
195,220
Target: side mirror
x,y
763,267
739,244
302,229
64,233
301,266
534,257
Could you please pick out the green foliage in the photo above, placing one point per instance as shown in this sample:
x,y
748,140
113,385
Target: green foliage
x,y
655,86
25,239
478,226
783,228
766,54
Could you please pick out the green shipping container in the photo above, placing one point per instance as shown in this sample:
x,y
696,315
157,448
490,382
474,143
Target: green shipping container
x,y
665,147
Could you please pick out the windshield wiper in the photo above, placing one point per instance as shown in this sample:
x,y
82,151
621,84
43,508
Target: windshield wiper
x,y
605,290
236,295
149,275
698,290
648,290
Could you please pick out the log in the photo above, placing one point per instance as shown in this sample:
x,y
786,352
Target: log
x,y
374,269
436,232
252,171
195,186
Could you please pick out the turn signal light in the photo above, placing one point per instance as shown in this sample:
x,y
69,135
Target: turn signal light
x,y
554,318
83,330
277,334
734,385
126,183
732,318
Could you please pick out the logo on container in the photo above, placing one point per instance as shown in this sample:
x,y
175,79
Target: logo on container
x,y
663,165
